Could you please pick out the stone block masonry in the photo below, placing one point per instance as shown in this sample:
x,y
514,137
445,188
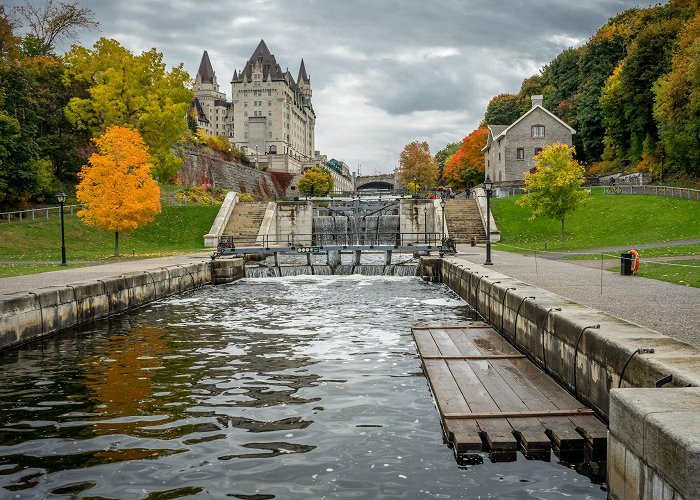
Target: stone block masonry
x,y
609,364
28,316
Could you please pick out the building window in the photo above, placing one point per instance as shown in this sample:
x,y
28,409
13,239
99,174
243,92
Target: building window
x,y
520,153
269,103
499,156
538,151
537,131
245,113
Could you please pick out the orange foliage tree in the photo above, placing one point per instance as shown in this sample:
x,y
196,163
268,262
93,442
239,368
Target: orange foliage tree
x,y
465,168
116,187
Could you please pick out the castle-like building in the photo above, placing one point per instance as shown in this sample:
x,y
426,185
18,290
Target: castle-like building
x,y
270,116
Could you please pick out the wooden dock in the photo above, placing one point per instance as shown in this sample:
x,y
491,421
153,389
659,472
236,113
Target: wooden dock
x,y
491,397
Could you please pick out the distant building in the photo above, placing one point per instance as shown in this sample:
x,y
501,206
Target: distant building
x,y
210,105
270,117
510,149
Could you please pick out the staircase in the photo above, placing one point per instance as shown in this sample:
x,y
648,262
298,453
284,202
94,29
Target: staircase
x,y
463,221
244,223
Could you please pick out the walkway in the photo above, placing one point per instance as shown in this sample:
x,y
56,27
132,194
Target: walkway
x,y
667,308
618,249
64,276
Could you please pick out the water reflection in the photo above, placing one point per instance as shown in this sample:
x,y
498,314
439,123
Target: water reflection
x,y
305,387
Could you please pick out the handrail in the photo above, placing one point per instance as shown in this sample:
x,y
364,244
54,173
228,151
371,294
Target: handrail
x,y
46,213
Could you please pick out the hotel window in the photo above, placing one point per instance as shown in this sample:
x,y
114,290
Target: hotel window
x,y
537,131
269,103
520,153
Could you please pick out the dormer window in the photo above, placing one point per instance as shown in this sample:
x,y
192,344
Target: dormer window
x,y
537,131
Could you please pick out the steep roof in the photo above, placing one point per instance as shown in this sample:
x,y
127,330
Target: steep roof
x,y
494,131
303,77
269,63
205,72
537,106
201,115
234,78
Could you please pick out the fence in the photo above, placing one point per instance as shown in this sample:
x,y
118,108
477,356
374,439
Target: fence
x,y
675,192
38,213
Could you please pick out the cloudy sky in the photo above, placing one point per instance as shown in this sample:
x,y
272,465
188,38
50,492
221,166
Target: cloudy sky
x,y
383,72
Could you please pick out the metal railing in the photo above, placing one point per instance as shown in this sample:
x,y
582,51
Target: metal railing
x,y
335,240
33,214
675,192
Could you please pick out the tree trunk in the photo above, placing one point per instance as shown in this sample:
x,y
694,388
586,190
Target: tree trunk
x,y
116,243
562,234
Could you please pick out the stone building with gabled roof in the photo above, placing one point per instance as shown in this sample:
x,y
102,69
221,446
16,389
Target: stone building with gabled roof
x,y
510,149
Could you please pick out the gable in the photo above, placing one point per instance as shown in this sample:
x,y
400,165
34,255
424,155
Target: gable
x,y
542,114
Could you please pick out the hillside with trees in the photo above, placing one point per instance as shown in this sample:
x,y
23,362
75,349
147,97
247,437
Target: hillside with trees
x,y
632,92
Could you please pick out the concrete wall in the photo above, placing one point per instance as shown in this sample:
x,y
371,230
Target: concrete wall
x,y
480,197
412,219
28,316
293,222
211,240
592,354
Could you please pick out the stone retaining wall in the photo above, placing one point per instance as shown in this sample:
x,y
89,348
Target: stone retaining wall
x,y
592,353
28,316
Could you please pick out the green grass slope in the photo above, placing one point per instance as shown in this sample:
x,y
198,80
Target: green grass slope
x,y
606,221
178,229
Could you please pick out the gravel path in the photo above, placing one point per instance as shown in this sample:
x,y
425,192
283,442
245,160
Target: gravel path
x,y
667,308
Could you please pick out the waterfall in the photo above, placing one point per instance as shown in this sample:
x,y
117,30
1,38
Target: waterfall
x,y
388,229
344,230
341,270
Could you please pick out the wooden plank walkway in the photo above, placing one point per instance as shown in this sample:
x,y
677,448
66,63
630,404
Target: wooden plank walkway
x,y
490,396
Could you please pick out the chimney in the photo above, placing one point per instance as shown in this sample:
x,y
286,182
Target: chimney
x,y
537,100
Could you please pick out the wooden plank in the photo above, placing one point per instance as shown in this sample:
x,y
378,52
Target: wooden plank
x,y
528,431
476,324
425,343
520,414
479,357
444,342
462,434
590,427
497,431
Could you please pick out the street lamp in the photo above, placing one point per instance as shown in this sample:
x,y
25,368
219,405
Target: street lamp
x,y
425,223
488,184
256,155
415,187
662,166
442,206
61,200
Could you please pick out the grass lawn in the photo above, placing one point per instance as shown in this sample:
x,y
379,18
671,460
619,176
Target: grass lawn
x,y
606,221
651,252
178,229
9,270
682,272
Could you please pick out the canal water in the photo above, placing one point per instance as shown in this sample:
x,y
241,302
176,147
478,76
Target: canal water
x,y
289,388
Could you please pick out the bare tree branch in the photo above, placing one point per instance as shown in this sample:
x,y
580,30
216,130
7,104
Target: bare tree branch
x,y
51,21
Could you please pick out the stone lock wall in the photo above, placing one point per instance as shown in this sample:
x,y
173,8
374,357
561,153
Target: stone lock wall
x,y
609,364
28,316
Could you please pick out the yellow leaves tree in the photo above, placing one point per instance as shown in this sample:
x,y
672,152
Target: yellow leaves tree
x,y
116,187
417,163
316,181
553,189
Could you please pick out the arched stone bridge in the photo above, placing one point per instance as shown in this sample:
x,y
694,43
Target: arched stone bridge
x,y
375,182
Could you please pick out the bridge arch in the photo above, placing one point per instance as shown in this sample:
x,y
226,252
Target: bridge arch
x,y
376,186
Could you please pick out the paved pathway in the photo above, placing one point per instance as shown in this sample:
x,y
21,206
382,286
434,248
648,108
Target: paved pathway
x,y
92,272
667,308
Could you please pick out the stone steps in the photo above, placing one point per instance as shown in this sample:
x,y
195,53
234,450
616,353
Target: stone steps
x,y
244,223
463,221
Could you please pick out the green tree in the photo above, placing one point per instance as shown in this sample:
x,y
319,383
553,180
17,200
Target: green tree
x,y
553,189
677,102
133,91
416,162
503,109
316,181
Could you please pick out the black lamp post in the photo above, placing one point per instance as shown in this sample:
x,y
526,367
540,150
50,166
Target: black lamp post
x,y
415,187
425,224
61,200
442,206
488,184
